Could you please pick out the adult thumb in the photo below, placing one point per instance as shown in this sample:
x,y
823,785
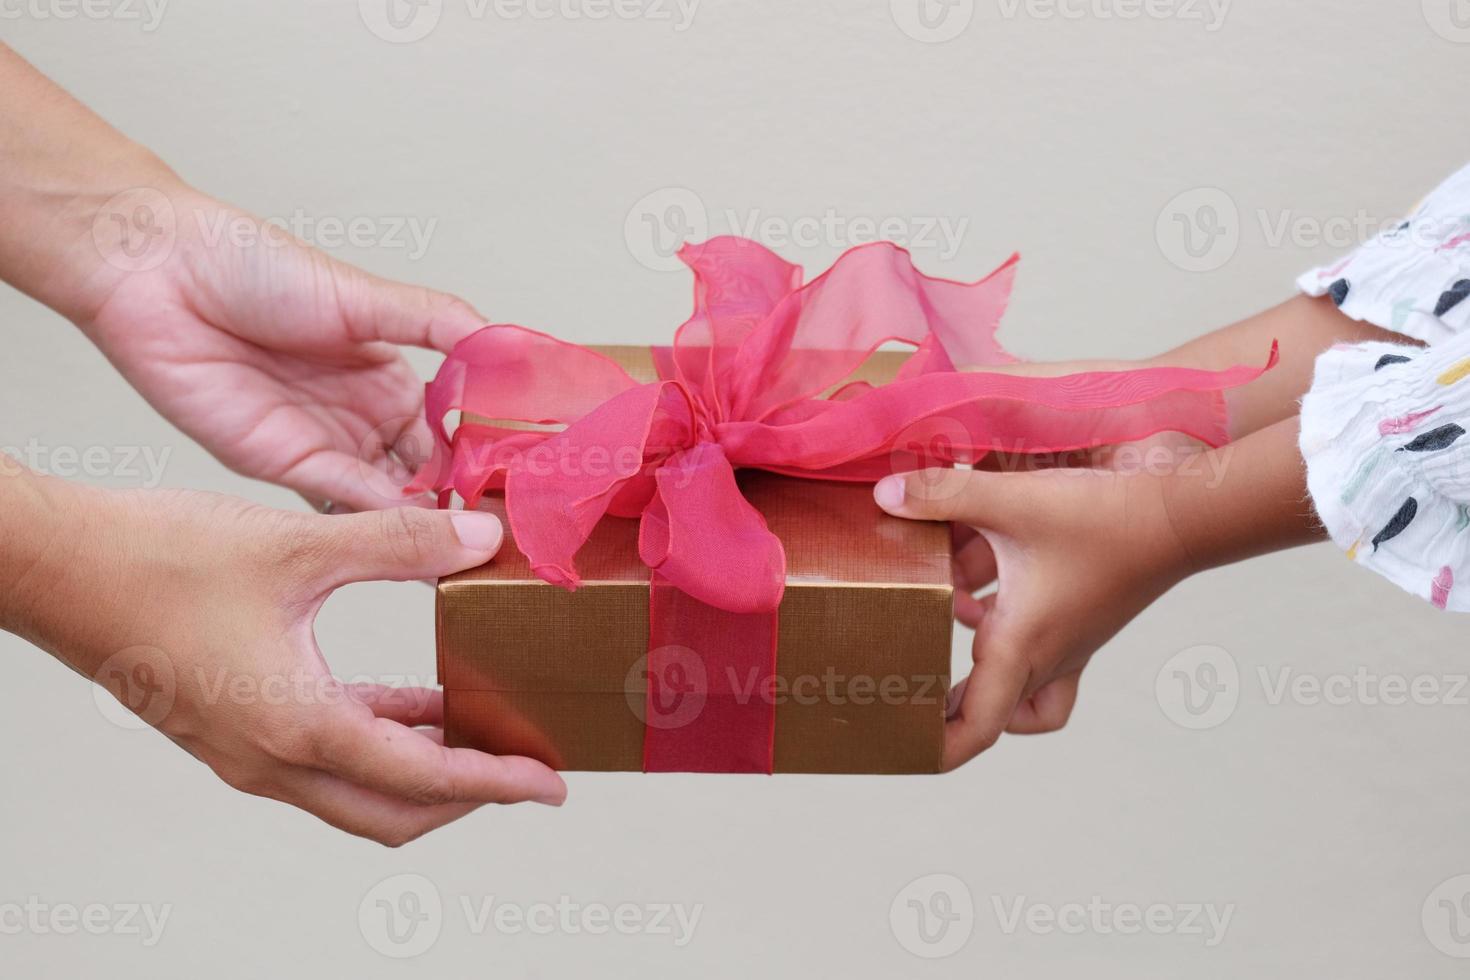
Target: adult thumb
x,y
407,544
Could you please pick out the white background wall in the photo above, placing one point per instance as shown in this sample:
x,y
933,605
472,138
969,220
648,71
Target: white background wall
x,y
526,143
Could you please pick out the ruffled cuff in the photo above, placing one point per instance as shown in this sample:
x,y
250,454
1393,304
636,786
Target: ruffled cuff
x,y
1388,464
1413,279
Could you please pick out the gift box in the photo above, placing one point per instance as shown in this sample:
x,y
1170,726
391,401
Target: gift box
x,y
696,577
863,639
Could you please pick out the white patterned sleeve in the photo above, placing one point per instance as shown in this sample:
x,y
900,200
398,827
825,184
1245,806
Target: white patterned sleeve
x,y
1383,427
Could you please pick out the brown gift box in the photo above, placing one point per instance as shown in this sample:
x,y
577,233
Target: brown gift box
x,y
863,647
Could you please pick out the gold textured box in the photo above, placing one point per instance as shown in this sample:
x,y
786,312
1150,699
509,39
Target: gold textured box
x,y
863,637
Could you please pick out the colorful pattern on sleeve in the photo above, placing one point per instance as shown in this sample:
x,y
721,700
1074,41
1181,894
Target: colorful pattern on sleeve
x,y
1414,278
1384,426
1388,467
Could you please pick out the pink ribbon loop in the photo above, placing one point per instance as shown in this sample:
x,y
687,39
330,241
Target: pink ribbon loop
x,y
698,513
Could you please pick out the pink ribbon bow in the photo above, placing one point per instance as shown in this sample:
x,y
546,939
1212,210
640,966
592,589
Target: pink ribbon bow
x,y
755,378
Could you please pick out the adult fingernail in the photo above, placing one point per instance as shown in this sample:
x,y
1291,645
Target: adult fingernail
x,y
477,531
553,797
889,493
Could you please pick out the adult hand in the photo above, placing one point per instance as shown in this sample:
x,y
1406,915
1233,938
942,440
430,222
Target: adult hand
x,y
196,611
280,360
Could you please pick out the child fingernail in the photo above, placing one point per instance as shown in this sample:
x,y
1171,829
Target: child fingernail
x,y
889,493
477,531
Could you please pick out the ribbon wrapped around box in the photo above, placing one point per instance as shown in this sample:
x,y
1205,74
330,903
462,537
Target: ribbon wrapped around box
x,y
768,375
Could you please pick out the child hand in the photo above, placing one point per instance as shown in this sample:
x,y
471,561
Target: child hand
x,y
1077,552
